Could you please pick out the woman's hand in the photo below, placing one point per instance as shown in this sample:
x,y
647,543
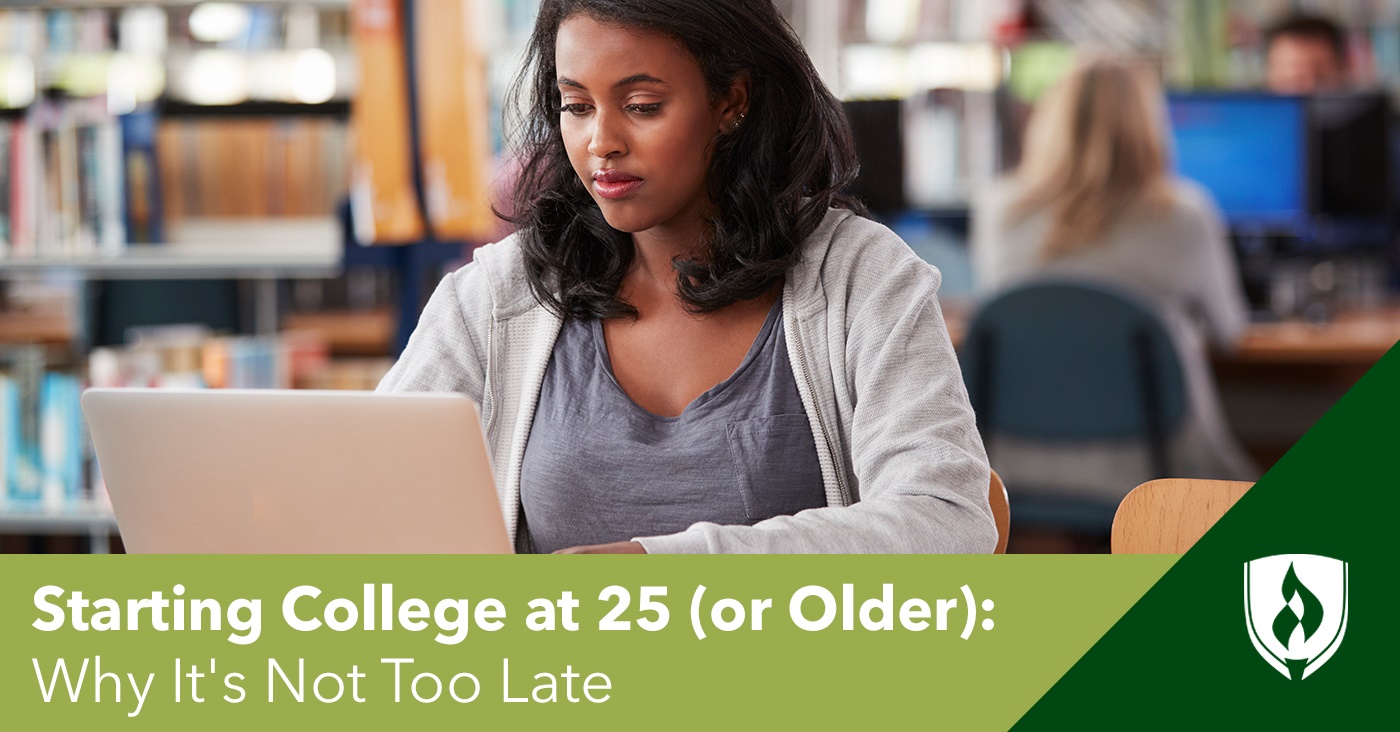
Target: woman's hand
x,y
617,547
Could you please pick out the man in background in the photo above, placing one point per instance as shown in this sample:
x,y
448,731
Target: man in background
x,y
1306,54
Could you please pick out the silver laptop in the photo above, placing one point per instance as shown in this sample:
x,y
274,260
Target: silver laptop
x,y
295,472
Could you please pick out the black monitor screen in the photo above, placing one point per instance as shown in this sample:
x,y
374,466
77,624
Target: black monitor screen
x,y
879,135
1350,136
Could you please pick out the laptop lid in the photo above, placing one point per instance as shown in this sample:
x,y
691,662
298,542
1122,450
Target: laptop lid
x,y
295,472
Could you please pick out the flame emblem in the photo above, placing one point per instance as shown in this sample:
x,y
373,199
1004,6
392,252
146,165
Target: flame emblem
x,y
1296,610
1288,619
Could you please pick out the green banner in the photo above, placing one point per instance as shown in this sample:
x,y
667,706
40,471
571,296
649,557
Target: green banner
x,y
1277,618
230,642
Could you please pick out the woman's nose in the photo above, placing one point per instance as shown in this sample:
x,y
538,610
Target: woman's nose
x,y
607,140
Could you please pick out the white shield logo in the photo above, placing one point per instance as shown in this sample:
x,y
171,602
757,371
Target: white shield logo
x,y
1295,606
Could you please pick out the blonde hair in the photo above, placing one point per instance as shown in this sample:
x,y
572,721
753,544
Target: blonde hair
x,y
1094,149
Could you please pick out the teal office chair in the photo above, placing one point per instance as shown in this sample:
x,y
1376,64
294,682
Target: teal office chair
x,y
1065,361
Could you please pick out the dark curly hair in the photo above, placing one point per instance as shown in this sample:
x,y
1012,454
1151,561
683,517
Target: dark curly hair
x,y
771,181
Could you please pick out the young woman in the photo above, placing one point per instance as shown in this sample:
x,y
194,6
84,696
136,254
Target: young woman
x,y
694,342
1093,198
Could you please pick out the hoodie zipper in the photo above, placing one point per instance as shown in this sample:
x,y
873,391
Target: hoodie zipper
x,y
518,461
512,517
486,394
821,421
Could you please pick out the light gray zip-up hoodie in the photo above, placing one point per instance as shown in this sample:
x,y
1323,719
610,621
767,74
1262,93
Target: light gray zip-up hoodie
x,y
902,464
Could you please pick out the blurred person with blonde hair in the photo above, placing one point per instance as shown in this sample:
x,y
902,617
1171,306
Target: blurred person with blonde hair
x,y
1093,198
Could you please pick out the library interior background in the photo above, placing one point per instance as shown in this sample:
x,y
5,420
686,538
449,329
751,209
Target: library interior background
x,y
263,194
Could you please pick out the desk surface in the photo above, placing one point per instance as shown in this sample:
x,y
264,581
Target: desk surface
x,y
1358,337
1361,336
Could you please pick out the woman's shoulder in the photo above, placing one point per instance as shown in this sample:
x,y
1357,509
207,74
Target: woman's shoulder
x,y
1000,226
845,238
1192,202
849,253
1183,214
497,274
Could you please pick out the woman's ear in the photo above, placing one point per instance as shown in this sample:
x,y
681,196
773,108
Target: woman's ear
x,y
734,104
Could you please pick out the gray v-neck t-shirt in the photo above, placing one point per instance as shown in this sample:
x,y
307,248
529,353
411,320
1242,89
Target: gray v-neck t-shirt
x,y
598,468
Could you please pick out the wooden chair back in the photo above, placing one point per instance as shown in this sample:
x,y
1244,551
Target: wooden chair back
x,y
1001,511
1168,516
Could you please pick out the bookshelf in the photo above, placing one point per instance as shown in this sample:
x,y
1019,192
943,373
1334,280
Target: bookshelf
x,y
244,187
210,249
81,519
262,252
258,260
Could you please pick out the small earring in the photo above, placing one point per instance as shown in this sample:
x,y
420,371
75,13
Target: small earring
x,y
736,123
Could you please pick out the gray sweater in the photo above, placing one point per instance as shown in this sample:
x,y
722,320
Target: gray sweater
x,y
1179,261
902,464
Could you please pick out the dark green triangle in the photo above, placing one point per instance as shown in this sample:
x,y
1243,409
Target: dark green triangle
x,y
1181,658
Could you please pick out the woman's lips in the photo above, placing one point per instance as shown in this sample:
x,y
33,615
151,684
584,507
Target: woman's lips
x,y
614,184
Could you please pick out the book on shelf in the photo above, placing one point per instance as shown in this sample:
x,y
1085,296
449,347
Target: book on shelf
x,y
384,200
44,442
139,174
82,172
190,356
455,131
23,367
82,183
9,435
23,173
6,185
61,441
346,332
251,167
64,197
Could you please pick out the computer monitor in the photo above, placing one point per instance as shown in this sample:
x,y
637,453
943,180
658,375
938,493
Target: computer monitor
x,y
878,129
1351,158
1250,151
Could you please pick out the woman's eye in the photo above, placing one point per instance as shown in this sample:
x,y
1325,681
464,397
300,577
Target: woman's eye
x,y
576,109
645,108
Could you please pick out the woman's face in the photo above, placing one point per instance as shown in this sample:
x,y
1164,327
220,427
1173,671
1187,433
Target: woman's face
x,y
638,123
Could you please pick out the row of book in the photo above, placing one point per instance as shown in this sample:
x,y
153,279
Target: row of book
x,y
1128,26
423,170
189,356
80,182
45,453
62,193
80,174
292,166
153,29
43,441
259,52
